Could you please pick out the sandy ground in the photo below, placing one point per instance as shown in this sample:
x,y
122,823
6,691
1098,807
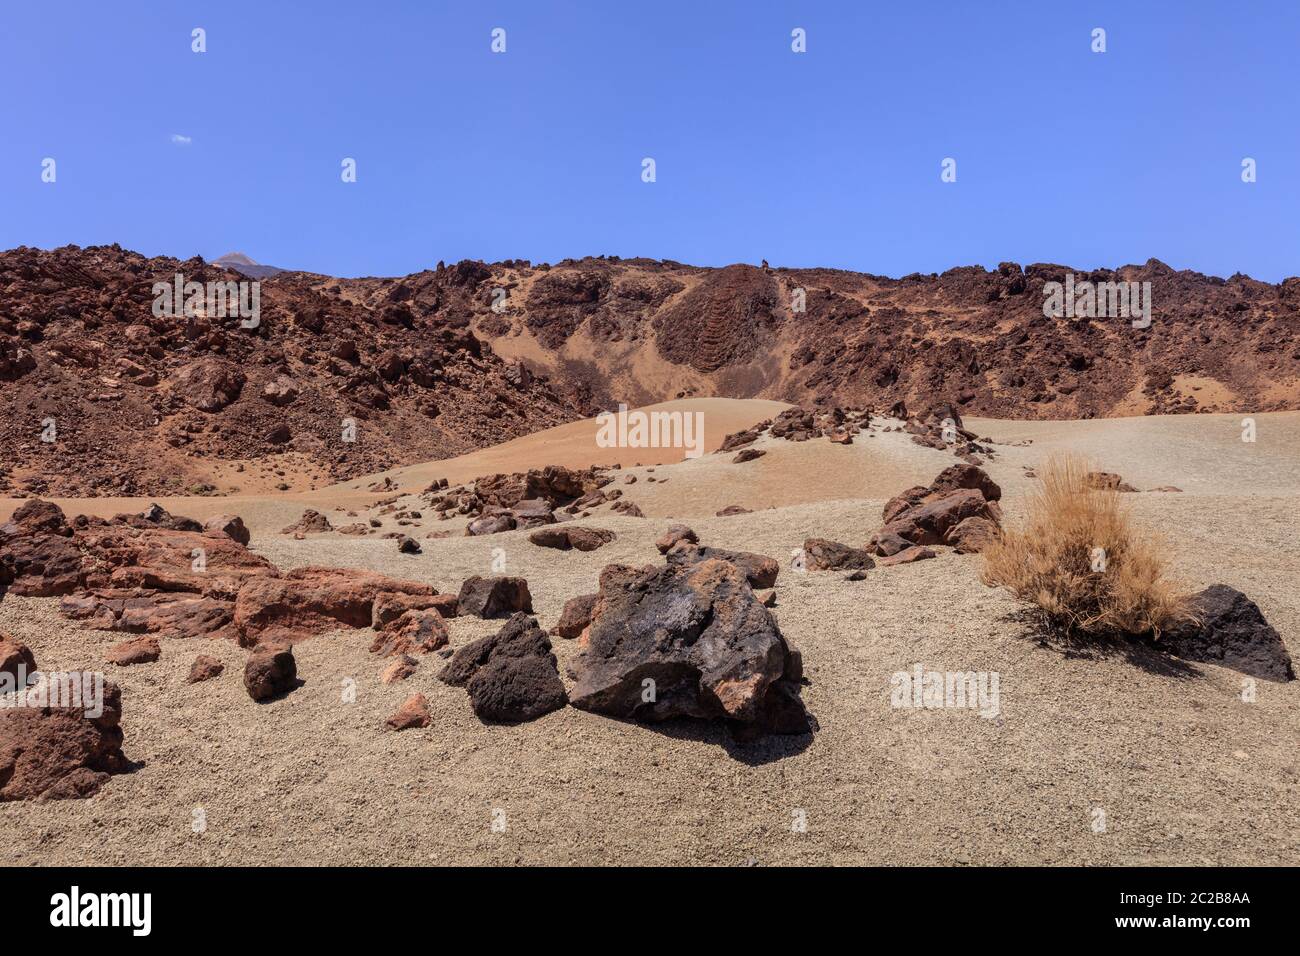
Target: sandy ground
x,y
1183,769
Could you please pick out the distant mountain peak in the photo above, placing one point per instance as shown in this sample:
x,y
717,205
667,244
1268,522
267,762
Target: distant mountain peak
x,y
238,262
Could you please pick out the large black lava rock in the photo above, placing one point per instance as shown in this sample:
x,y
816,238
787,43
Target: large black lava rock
x,y
1231,631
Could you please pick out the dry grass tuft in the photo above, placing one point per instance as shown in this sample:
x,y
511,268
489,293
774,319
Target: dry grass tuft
x,y
1052,559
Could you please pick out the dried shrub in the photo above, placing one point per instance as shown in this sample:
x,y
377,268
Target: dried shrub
x,y
1081,558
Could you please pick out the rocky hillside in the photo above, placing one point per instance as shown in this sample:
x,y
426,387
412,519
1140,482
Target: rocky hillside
x,y
450,359
643,330
99,396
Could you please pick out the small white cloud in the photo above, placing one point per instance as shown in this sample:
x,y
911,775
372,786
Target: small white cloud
x,y
180,140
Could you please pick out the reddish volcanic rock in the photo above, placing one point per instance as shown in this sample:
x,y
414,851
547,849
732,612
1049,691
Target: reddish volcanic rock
x,y
393,354
232,526
311,522
906,556
35,516
414,712
1107,481
16,660
389,606
675,533
959,496
565,538
40,564
400,669
576,616
143,610
311,600
448,605
972,535
208,384
759,570
270,671
204,668
928,521
55,753
415,632
142,650
78,317
823,555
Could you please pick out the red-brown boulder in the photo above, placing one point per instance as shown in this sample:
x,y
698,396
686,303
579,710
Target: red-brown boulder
x,y
204,668
576,616
823,555
415,632
59,752
142,650
759,570
270,672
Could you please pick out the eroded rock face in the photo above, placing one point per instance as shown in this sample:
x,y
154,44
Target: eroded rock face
x,y
510,676
698,634
148,611
40,564
57,753
1230,630
495,596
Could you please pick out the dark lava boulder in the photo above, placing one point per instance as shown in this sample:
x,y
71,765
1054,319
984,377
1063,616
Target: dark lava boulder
x,y
493,596
1230,631
510,676
688,641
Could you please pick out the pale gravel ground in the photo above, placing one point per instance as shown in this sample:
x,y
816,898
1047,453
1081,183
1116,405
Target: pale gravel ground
x,y
1186,772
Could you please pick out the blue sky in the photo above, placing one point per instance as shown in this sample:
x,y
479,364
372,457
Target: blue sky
x,y
827,158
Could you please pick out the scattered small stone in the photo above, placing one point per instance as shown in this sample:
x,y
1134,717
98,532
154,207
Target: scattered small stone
x,y
414,712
